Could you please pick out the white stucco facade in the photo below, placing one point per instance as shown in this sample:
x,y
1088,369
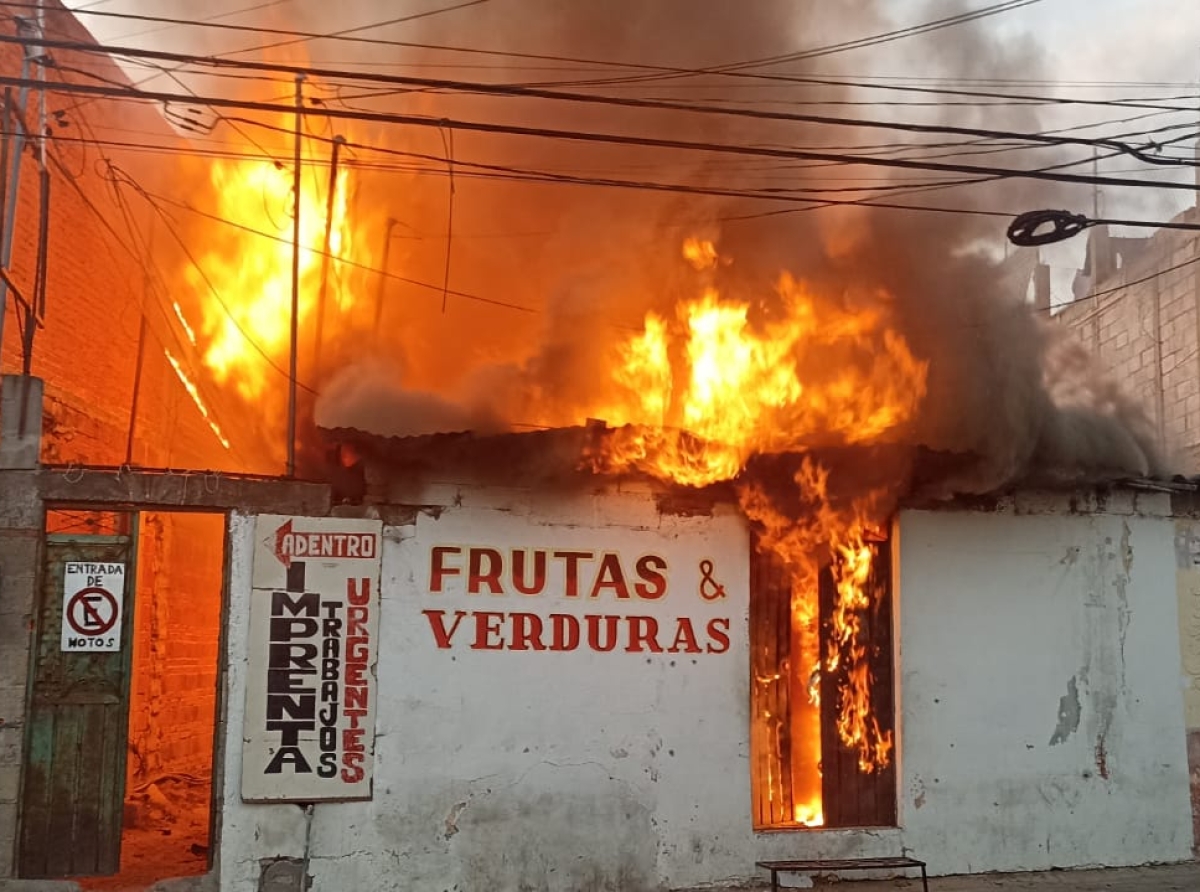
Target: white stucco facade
x,y
1041,719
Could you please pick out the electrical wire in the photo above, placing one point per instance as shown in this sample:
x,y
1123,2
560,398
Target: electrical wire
x,y
587,98
613,138
104,221
819,52
212,18
600,64
348,31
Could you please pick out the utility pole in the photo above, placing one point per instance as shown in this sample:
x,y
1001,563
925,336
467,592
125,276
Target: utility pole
x,y
326,259
295,327
13,174
35,310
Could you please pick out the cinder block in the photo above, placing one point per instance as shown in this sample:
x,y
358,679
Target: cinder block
x,y
12,703
8,838
20,504
12,740
10,783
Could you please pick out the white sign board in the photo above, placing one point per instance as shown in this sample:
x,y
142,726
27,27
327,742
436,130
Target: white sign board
x,y
310,688
93,601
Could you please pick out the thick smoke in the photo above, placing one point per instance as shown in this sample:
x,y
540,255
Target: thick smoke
x,y
567,270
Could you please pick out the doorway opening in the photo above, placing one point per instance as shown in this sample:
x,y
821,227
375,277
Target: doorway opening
x,y
154,820
819,668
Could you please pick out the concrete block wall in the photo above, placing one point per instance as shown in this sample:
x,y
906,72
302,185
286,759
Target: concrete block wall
x,y
20,554
1187,581
1148,336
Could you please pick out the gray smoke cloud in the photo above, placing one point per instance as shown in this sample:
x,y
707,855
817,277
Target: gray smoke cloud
x,y
587,262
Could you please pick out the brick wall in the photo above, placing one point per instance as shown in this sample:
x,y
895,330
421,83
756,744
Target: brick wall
x,y
1148,335
177,627
111,260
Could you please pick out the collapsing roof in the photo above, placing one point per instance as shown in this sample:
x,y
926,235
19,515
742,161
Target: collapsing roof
x,y
358,461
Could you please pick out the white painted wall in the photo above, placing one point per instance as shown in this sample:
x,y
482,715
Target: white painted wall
x,y
582,771
1039,654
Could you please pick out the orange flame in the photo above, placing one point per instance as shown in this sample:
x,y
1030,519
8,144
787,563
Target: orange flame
x,y
724,381
814,372
245,276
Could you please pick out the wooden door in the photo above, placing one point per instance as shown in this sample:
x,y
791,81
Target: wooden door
x,y
76,735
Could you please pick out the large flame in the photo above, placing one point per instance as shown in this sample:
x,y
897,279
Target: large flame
x,y
701,394
815,372
244,275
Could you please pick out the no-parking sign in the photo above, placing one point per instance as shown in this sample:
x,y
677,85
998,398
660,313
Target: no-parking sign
x,y
93,597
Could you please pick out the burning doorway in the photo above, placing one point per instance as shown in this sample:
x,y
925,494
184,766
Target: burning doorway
x,y
822,693
121,735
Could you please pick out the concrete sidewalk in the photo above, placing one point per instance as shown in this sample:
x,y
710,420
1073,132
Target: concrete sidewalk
x,y
1165,878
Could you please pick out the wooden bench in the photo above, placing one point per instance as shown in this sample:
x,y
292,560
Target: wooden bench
x,y
827,865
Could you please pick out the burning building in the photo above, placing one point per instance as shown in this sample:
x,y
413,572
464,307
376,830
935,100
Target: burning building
x,y
671,536
587,682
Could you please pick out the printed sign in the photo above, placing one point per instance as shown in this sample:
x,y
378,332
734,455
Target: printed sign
x,y
486,598
310,688
93,597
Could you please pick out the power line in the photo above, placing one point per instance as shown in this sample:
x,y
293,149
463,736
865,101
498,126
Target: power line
x,y
587,98
608,138
819,52
887,37
384,24
223,15
104,221
601,64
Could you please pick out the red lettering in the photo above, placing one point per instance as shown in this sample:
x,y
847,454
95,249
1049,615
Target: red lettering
x,y
685,638
477,577
643,630
651,569
352,771
534,586
360,595
356,699
572,559
358,649
564,630
593,632
527,632
352,740
611,575
718,631
356,620
354,715
438,570
487,627
437,624
354,675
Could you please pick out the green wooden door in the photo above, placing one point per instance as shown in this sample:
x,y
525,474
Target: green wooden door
x,y
73,794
